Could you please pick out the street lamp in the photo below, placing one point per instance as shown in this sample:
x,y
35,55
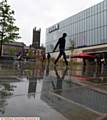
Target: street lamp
x,y
1,40
1,28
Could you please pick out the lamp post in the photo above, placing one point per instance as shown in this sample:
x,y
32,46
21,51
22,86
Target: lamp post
x,y
1,43
1,33
2,20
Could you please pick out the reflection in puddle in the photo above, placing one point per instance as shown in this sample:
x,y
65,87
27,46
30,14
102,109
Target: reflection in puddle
x,y
19,79
29,85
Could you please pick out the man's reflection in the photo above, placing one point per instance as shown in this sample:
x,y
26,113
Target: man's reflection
x,y
58,85
47,69
32,87
37,73
83,69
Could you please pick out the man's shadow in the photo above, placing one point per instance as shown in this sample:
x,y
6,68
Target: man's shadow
x,y
58,85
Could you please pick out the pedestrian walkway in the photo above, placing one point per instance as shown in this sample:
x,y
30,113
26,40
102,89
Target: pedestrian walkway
x,y
49,93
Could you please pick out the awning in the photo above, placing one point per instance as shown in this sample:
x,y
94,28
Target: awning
x,y
84,55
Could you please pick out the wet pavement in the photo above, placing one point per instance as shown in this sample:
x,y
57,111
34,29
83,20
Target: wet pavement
x,y
58,93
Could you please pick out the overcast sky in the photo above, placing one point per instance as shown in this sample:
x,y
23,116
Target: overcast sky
x,y
44,13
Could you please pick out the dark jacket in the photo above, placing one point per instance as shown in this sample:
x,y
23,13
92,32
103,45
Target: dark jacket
x,y
61,43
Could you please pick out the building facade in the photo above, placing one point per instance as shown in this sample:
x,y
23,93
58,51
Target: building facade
x,y
86,29
36,38
12,48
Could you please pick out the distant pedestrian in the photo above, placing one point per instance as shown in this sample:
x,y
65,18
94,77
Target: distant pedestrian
x,y
43,57
48,57
61,42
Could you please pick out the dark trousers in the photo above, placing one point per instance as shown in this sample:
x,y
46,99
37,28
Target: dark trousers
x,y
64,56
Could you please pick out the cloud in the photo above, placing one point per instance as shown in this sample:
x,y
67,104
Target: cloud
x,y
44,13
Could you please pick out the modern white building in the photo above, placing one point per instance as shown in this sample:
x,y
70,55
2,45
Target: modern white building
x,y
87,29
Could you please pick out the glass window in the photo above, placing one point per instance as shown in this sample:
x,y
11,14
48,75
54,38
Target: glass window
x,y
80,38
92,37
80,15
105,17
73,19
99,7
87,23
76,39
102,34
69,32
95,36
105,34
71,28
85,14
99,19
92,22
76,43
76,27
96,11
105,4
99,35
88,12
102,18
88,38
85,26
102,6
95,21
82,25
92,10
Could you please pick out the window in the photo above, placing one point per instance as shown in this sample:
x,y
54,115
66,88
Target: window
x,y
102,6
105,17
105,4
95,21
95,9
95,36
99,7
102,18
92,10
99,19
99,35
105,34
102,34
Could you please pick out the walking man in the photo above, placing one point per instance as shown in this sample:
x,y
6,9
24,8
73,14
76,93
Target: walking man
x,y
61,42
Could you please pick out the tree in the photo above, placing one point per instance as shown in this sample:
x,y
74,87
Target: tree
x,y
8,29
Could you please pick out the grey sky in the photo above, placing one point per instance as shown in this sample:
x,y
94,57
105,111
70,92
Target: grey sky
x,y
44,13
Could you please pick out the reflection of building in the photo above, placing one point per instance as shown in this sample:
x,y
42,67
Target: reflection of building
x,y
88,30
6,91
35,75
36,38
50,99
39,53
